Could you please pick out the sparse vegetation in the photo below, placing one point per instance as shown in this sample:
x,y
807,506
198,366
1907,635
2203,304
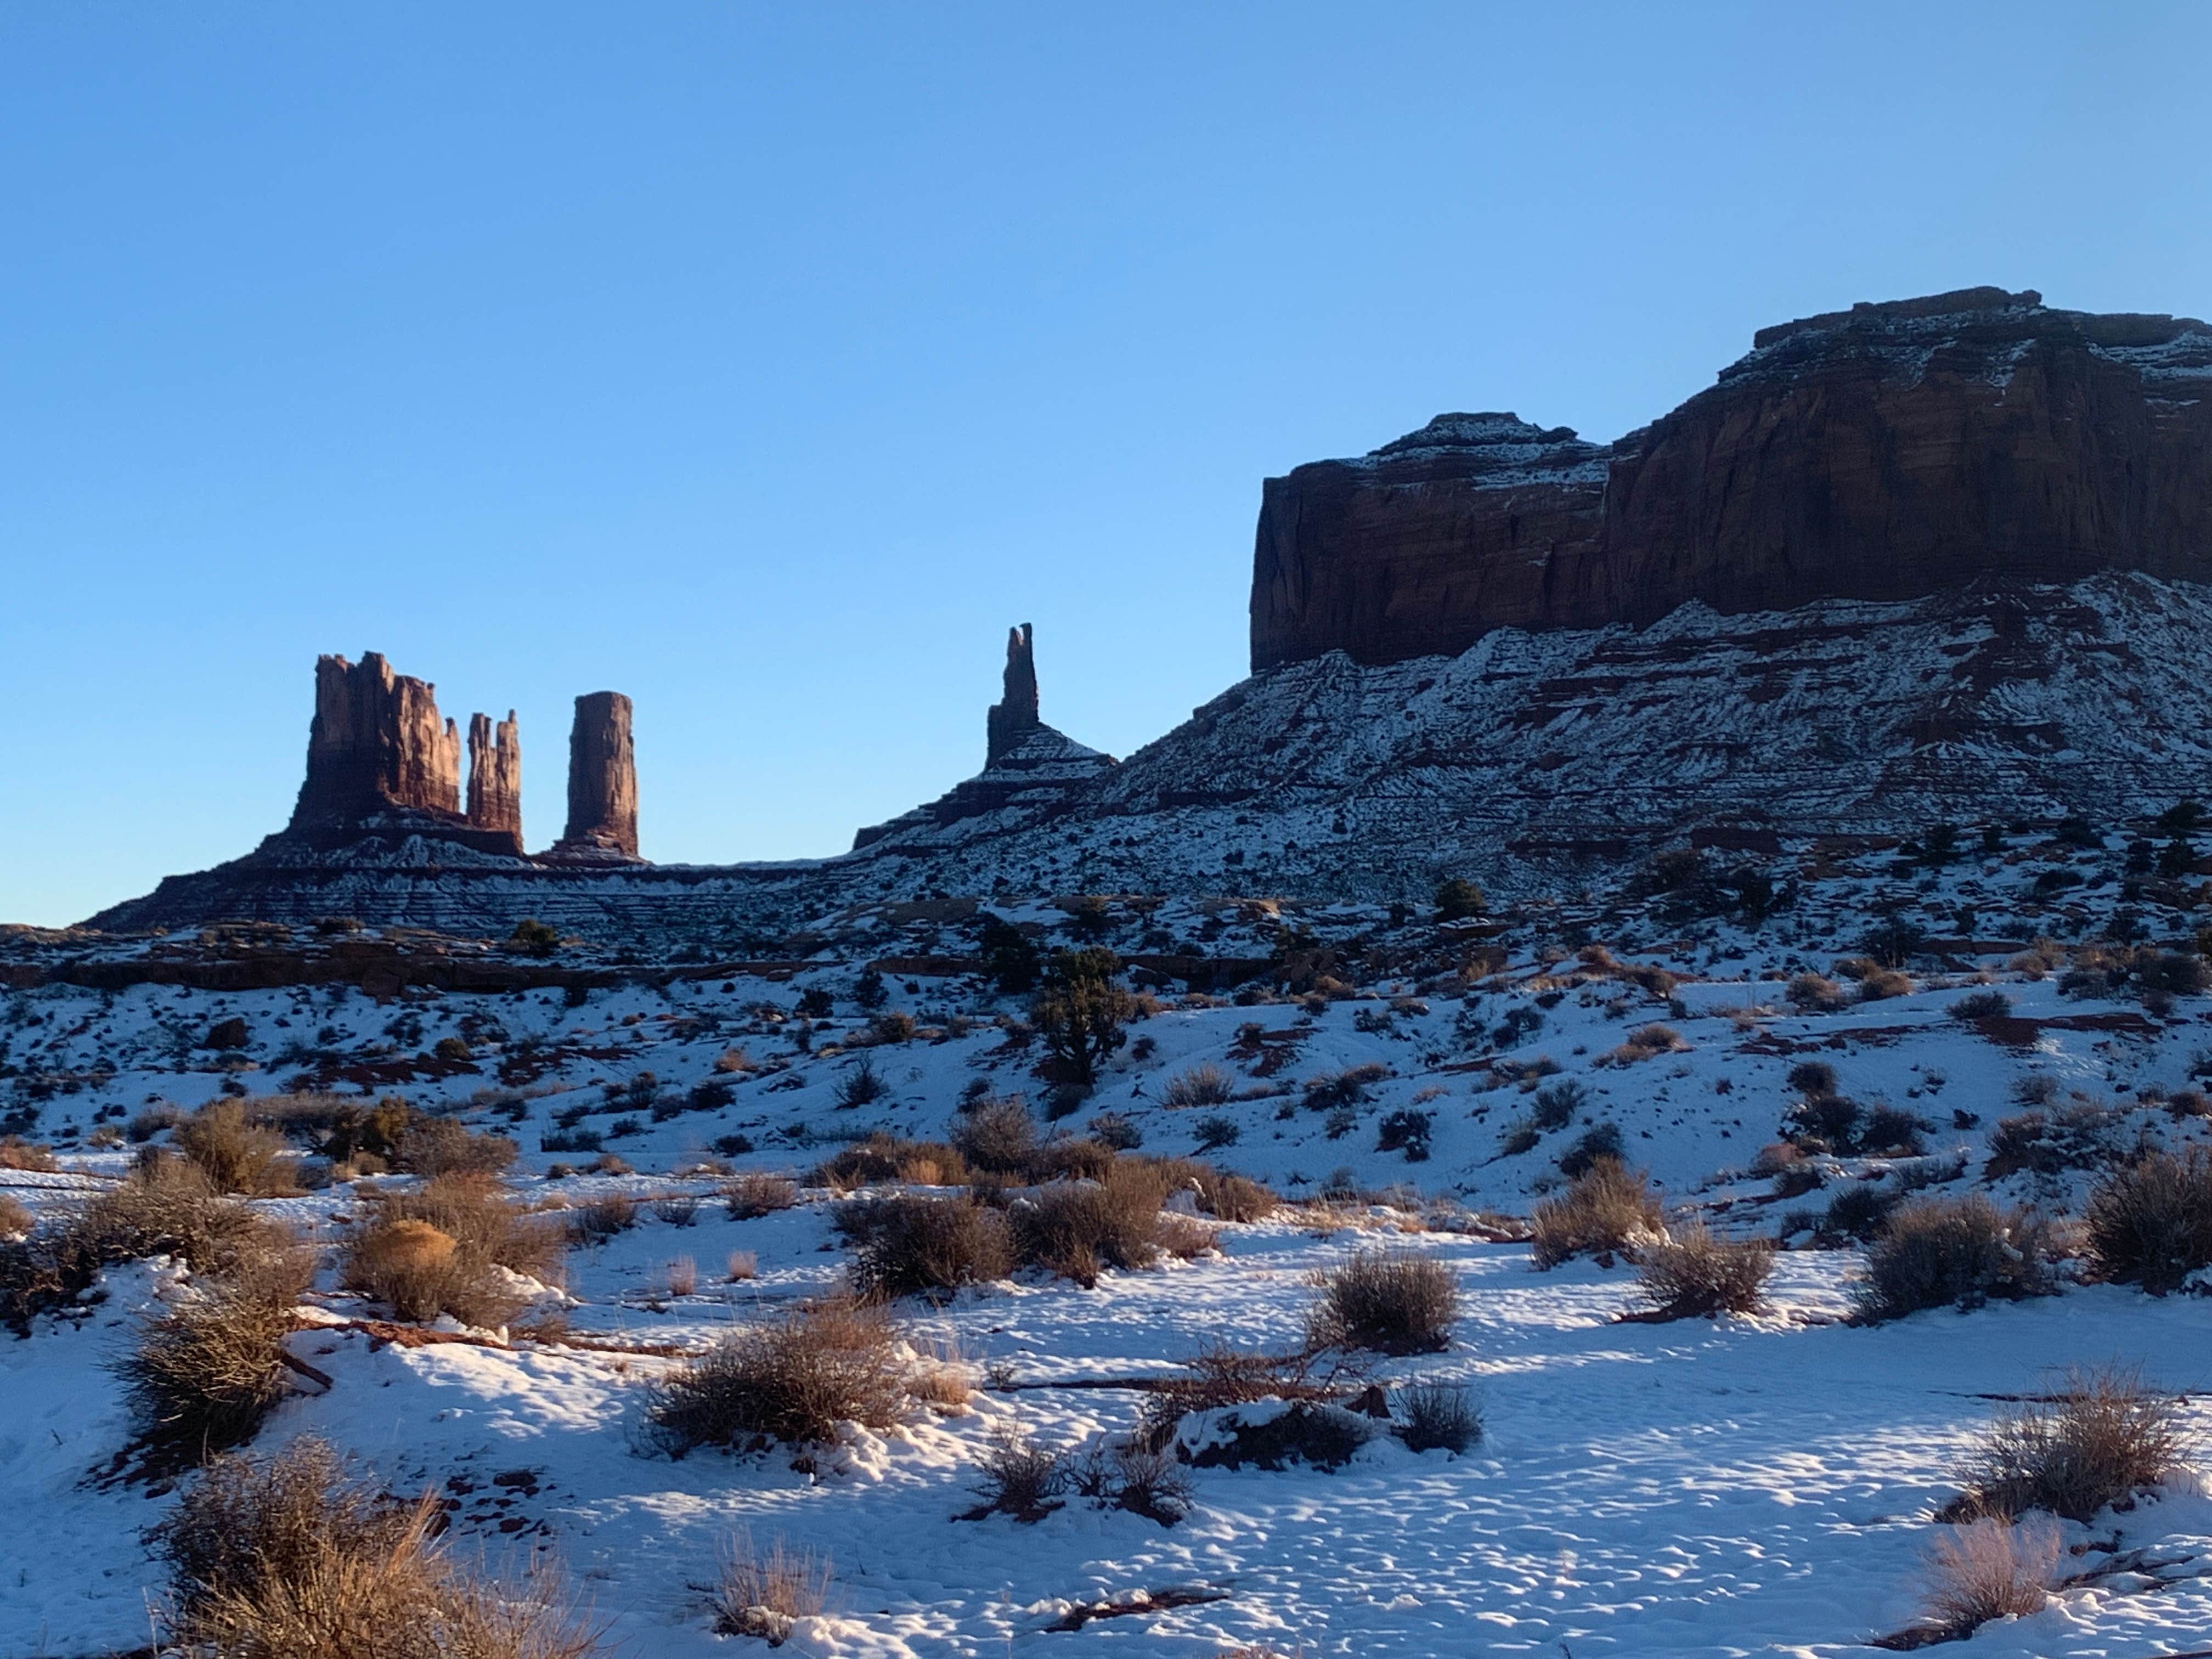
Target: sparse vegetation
x,y
2099,1439
908,1244
236,1154
1605,1208
1438,1417
1203,1085
1953,1252
208,1369
449,1246
1080,1012
1989,1570
1695,1275
2150,1223
795,1378
1020,1478
997,1135
763,1592
753,1193
1386,1302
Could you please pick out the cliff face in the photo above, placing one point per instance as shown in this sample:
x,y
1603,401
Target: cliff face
x,y
1886,453
376,745
496,776
602,781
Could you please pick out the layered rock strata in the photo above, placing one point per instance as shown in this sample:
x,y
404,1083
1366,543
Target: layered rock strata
x,y
602,782
1889,452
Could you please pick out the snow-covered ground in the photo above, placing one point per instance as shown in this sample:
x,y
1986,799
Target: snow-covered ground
x,y
1753,1485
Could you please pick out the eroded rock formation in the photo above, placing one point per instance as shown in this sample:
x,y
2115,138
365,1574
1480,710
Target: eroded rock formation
x,y
376,745
496,776
1014,716
1888,452
602,781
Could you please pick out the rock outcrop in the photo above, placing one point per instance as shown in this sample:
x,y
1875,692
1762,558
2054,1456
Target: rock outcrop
x,y
496,776
602,782
1031,772
1014,716
376,746
1888,452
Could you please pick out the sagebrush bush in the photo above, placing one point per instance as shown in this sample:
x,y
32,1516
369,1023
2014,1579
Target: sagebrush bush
x,y
238,1155
997,1136
1079,1228
1393,1302
2101,1438
794,1379
1019,1478
906,1244
434,1146
2150,1223
1604,1208
206,1371
17,1153
1883,983
436,1248
2083,1135
1812,993
14,1220
753,1194
1695,1275
1203,1085
1982,1005
1218,1376
286,1558
1953,1252
1439,1416
1989,1570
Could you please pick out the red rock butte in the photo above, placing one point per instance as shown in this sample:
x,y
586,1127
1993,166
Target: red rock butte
x,y
1888,452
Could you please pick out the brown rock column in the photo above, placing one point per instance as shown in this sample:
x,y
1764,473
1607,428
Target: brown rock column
x,y
602,779
495,775
1014,716
376,743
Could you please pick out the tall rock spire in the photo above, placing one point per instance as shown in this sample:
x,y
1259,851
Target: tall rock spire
x,y
376,745
496,776
1014,716
602,780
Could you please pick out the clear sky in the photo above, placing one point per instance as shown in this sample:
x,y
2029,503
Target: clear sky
x,y
767,363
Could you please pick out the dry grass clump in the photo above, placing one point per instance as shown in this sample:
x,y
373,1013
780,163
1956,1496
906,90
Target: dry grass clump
x,y
1990,1570
1218,1376
1386,1302
1203,1085
2151,1223
1129,1476
791,1379
602,1218
237,1154
1812,993
1879,984
284,1558
753,1194
207,1372
883,1157
1956,1252
434,1146
763,1592
998,1136
1694,1275
1439,1416
1607,1207
436,1250
15,1220
909,1244
17,1153
2099,1441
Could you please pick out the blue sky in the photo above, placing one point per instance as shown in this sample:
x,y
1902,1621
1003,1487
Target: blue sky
x,y
765,363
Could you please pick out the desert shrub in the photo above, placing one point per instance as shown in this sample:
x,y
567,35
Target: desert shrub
x,y
2100,1439
1646,1041
1883,983
1459,900
1115,1130
1989,1570
539,939
1554,1108
763,1592
2150,1223
678,1209
860,1086
1825,1122
17,1153
1405,1130
1982,1005
1210,1134
906,1244
1233,1197
1388,1302
996,1135
1893,1130
883,1157
434,1146
14,1220
1595,1144
1694,1275
1859,1210
1020,1478
1077,1230
1135,1477
791,1379
1953,1252
1348,1087
284,1558
448,1247
1071,1157
1203,1085
206,1371
1813,1077
1439,1416
1604,1208
1521,1136
893,1027
2171,972
1811,993
753,1193
2082,1135
237,1155
1218,1376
